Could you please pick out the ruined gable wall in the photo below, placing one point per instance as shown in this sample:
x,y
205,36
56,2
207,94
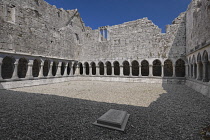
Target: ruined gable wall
x,y
38,28
198,19
137,39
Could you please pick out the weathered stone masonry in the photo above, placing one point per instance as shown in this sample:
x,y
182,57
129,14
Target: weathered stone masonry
x,y
39,41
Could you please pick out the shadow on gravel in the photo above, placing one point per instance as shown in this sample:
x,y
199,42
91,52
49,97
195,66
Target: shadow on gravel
x,y
173,116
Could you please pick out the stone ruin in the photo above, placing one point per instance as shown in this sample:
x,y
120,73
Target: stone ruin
x,y
40,44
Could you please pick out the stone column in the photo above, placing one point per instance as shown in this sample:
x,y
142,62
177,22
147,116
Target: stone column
x,y
84,70
72,70
131,71
50,70
29,74
150,71
58,72
205,71
121,70
189,70
77,72
15,73
193,71
162,70
41,72
186,70
140,71
90,70
174,71
198,71
105,70
97,71
113,71
65,70
1,59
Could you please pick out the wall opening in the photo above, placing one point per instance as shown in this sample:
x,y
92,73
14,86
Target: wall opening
x,y
101,68
168,68
126,68
63,68
116,68
69,68
87,68
54,68
93,65
22,67
109,68
36,68
80,69
46,67
7,67
156,68
135,68
144,68
180,68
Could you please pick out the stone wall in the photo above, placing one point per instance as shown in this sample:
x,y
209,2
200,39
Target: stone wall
x,y
139,39
198,27
38,28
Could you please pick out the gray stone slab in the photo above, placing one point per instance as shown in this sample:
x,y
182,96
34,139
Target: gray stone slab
x,y
114,119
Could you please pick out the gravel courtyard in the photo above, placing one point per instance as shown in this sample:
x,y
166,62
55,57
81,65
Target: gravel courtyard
x,y
67,111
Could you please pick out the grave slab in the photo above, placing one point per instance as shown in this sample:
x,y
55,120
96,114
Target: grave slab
x,y
114,119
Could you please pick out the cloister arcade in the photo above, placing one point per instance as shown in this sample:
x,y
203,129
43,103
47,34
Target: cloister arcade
x,y
196,66
199,66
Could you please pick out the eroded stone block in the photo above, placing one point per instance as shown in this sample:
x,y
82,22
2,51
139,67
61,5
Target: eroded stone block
x,y
114,119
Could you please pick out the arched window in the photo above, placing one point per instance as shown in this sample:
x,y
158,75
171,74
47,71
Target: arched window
x,y
101,68
69,68
180,68
54,68
74,68
36,68
144,68
109,68
93,65
156,68
126,68
87,68
135,68
80,68
63,68
168,68
200,66
116,68
22,67
7,67
206,65
46,67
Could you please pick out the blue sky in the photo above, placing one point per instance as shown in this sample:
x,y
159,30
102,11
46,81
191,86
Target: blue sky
x,y
97,13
